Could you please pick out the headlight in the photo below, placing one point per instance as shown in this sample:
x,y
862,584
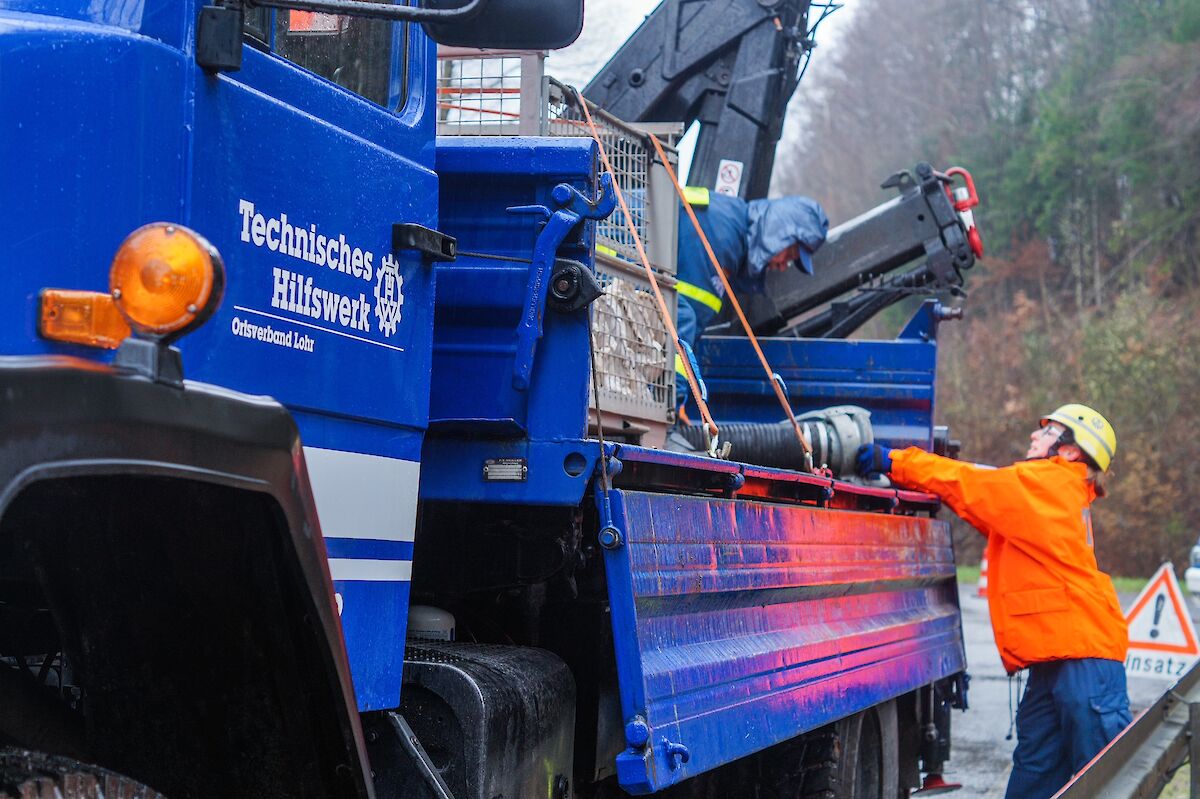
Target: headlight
x,y
1195,557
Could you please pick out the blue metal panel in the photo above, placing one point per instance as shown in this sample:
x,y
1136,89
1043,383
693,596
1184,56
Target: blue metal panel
x,y
559,471
190,147
476,411
892,379
374,618
354,435
377,632
741,624
120,15
480,302
160,20
348,175
72,187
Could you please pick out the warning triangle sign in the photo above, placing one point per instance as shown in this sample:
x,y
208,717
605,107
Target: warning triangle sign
x,y
1162,639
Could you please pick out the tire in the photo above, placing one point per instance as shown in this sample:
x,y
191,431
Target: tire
x,y
33,775
855,758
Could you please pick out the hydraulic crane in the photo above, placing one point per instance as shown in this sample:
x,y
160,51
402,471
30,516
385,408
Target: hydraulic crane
x,y
732,66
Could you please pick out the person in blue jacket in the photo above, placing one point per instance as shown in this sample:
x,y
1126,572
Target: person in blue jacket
x,y
748,238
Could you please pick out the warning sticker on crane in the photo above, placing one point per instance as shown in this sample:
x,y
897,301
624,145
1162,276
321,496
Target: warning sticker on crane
x,y
729,177
1162,640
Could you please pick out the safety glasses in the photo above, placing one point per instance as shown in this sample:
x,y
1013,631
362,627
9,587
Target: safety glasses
x,y
1051,431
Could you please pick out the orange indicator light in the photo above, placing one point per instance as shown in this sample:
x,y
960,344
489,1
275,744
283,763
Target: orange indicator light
x,y
81,317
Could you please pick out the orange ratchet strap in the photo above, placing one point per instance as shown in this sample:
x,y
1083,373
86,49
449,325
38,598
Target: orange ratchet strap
x,y
772,378
710,427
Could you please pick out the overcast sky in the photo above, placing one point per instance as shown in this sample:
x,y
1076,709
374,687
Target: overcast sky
x,y
608,23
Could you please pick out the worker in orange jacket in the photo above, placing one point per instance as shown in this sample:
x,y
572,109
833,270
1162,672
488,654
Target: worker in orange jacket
x,y
1053,611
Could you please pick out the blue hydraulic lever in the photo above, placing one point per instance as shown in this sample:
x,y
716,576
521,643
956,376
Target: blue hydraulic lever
x,y
571,208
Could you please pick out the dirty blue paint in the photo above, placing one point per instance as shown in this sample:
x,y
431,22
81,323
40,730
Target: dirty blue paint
x,y
740,624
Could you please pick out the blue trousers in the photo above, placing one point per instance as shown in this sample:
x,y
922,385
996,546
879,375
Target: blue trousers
x,y
1070,711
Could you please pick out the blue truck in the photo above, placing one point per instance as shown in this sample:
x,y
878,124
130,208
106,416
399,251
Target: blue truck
x,y
285,374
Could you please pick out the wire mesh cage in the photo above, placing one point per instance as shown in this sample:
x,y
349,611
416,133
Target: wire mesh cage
x,y
628,150
634,357
491,93
498,92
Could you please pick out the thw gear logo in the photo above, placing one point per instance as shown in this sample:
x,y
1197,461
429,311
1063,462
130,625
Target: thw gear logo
x,y
389,295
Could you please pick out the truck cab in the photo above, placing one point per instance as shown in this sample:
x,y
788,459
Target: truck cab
x,y
300,167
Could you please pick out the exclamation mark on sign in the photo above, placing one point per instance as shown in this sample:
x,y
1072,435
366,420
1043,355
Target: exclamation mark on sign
x,y
1159,602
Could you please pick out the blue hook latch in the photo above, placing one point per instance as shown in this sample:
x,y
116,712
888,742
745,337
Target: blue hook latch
x,y
571,208
677,753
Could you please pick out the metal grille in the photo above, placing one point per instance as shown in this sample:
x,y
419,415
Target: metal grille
x,y
422,654
490,92
634,357
628,151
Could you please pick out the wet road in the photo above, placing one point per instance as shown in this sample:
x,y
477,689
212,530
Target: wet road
x,y
981,757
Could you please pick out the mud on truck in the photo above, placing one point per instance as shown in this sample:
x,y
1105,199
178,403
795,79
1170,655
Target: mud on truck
x,y
332,411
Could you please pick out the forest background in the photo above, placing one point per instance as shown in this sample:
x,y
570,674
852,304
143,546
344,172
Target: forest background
x,y
1080,121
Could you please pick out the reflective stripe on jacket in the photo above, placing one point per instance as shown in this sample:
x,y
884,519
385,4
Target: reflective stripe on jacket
x,y
726,225
1047,597
700,295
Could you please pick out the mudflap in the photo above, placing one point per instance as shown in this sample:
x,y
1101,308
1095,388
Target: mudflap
x,y
740,624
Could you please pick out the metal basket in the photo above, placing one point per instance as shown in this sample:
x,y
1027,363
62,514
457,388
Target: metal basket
x,y
643,182
492,92
635,358
507,93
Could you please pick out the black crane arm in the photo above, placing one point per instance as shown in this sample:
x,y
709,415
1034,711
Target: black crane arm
x,y
731,65
921,222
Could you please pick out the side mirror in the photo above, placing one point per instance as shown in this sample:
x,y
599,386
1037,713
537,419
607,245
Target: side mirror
x,y
510,24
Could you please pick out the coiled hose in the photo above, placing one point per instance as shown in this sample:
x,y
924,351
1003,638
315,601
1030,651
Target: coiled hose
x,y
834,433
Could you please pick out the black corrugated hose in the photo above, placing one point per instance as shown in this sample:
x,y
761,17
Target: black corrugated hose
x,y
774,444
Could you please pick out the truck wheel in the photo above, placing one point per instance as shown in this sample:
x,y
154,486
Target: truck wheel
x,y
855,758
32,775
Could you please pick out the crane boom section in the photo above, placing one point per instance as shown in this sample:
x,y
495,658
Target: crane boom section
x,y
731,65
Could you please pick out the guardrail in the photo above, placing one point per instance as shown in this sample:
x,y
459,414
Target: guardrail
x,y
1141,760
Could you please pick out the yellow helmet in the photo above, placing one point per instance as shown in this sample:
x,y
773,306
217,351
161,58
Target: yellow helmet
x,y
1090,431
